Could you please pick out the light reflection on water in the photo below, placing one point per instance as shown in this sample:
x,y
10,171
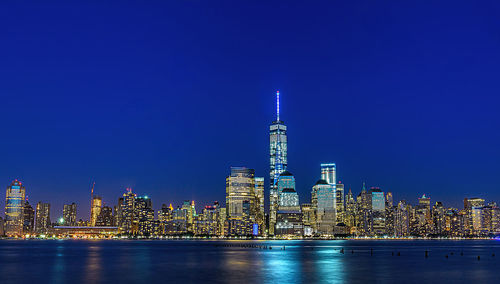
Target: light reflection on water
x,y
236,262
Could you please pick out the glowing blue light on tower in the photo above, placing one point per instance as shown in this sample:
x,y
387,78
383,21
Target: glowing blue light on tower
x,y
278,105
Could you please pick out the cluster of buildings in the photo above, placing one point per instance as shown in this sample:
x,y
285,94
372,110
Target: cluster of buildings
x,y
328,213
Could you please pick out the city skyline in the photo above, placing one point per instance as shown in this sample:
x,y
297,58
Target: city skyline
x,y
328,172
244,213
403,103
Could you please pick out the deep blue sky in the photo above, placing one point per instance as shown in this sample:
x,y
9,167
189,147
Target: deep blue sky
x,y
165,96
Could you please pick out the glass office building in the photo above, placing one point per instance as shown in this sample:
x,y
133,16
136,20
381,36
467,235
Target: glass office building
x,y
277,163
14,207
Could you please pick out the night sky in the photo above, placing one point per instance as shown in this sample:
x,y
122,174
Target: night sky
x,y
165,96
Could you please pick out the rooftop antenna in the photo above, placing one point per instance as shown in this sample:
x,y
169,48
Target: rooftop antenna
x,y
278,105
92,199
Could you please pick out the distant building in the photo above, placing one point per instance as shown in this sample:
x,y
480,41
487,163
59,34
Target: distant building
x,y
28,218
69,214
438,219
189,206
278,149
364,212
289,216
126,217
14,206
472,219
340,202
42,218
329,173
402,219
323,200
308,218
165,217
378,211
105,218
85,231
143,216
350,211
260,217
95,209
240,201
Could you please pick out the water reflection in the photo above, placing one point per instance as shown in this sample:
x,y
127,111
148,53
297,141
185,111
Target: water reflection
x,y
58,268
93,263
246,261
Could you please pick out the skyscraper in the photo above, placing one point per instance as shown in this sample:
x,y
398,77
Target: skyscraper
x,y
340,204
29,218
289,216
378,211
240,201
14,207
259,206
127,211
323,201
95,210
69,214
144,215
42,218
278,162
329,173
105,218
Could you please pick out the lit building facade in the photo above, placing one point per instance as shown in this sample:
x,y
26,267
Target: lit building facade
x,y
14,206
378,211
28,218
105,218
240,201
323,200
127,212
289,216
95,209
278,157
143,216
260,216
340,202
69,214
42,218
329,173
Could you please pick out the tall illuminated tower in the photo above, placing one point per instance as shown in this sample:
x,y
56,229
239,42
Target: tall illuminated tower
x,y
329,173
278,162
14,207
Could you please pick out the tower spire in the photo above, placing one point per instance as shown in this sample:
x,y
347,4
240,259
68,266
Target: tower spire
x,y
277,105
92,199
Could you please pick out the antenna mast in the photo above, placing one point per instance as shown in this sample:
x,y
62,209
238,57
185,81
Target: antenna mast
x,y
92,200
278,105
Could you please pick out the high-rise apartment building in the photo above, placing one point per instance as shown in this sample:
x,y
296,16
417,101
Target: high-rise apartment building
x,y
471,219
42,218
278,149
14,207
69,214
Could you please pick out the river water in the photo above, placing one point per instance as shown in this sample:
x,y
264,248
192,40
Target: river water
x,y
160,261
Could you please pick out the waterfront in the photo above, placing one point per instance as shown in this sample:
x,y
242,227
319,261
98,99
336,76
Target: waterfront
x,y
113,261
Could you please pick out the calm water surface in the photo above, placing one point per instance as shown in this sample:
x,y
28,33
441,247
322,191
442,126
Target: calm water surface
x,y
69,261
